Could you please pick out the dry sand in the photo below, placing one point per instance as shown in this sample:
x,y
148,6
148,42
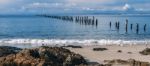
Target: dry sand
x,y
111,53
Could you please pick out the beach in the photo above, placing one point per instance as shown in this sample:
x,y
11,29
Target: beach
x,y
73,55
127,52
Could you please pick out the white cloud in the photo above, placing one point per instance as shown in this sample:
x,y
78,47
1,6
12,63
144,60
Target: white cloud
x,y
49,6
90,1
72,5
127,7
38,5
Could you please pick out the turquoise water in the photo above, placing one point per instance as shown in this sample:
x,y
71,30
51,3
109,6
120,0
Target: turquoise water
x,y
39,30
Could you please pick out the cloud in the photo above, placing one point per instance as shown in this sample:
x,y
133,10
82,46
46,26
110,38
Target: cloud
x,y
41,5
127,7
89,1
47,6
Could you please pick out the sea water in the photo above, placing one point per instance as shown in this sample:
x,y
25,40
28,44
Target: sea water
x,y
36,31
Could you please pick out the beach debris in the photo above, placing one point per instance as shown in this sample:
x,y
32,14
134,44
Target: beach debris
x,y
43,56
145,51
99,49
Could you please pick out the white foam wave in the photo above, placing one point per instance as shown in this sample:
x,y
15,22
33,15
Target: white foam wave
x,y
71,42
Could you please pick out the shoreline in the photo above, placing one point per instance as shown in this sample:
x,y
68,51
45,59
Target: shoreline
x,y
84,42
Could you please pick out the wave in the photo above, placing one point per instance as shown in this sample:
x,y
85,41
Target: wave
x,y
86,42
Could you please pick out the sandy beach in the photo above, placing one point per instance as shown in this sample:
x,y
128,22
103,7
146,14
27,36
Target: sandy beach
x,y
71,55
128,52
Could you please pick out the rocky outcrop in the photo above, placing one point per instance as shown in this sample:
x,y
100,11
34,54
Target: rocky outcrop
x,y
54,56
145,51
6,50
99,49
43,56
73,46
130,62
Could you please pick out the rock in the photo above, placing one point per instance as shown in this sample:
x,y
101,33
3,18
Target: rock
x,y
43,56
129,52
73,60
99,49
6,50
116,61
72,46
145,51
130,62
119,51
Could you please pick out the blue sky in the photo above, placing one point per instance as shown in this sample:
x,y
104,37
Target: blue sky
x,y
60,6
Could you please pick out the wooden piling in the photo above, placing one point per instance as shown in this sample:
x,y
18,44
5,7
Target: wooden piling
x,y
110,24
131,26
137,28
96,22
145,28
126,28
118,25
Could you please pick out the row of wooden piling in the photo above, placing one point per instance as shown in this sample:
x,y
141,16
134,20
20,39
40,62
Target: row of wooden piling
x,y
86,20
83,20
65,18
117,26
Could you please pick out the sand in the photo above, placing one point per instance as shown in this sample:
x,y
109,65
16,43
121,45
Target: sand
x,y
111,53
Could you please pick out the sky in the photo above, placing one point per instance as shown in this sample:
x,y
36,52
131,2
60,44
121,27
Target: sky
x,y
71,6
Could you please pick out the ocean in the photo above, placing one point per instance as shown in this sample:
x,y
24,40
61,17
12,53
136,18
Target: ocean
x,y
31,31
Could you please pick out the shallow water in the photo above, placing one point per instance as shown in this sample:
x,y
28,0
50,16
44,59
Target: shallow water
x,y
42,30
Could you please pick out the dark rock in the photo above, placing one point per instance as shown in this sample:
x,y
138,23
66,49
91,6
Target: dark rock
x,y
130,62
129,52
43,56
72,46
6,50
145,51
116,61
119,51
99,49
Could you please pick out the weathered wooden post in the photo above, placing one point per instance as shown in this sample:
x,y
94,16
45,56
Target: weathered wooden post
x,y
145,28
118,25
131,26
93,20
110,24
96,22
137,28
126,28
